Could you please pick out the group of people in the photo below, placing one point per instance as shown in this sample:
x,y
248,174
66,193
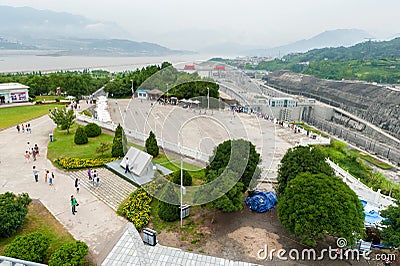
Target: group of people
x,y
95,179
23,128
31,152
48,177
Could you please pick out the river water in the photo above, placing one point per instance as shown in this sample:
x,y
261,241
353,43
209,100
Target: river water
x,y
25,61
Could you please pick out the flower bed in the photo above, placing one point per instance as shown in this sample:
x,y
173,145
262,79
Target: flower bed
x,y
77,163
137,208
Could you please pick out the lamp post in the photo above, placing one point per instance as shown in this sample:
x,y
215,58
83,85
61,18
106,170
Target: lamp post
x,y
167,91
132,87
208,99
181,188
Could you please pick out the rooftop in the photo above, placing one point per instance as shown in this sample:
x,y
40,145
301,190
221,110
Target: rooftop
x,y
12,86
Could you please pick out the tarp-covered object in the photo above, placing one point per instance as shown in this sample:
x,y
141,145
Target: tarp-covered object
x,y
262,201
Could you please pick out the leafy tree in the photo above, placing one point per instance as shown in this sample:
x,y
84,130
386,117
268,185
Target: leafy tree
x,y
187,178
298,160
13,210
92,130
72,254
391,233
63,118
117,146
151,145
316,205
31,247
80,136
167,211
103,147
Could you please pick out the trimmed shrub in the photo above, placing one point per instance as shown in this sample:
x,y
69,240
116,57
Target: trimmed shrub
x,y
92,130
77,163
137,208
117,149
31,247
151,145
187,178
13,210
167,211
72,254
80,136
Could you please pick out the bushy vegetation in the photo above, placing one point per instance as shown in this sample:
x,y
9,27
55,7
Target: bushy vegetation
x,y
391,233
13,210
137,208
117,149
86,112
63,118
187,178
92,130
351,161
30,247
151,145
168,211
80,136
72,254
77,163
233,166
313,206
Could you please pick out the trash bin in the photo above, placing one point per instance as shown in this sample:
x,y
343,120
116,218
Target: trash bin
x,y
149,236
185,211
51,137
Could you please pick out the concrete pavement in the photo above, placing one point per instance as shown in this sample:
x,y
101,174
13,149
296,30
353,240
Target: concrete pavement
x,y
95,223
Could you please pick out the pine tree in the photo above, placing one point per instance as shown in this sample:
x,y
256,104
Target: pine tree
x,y
151,145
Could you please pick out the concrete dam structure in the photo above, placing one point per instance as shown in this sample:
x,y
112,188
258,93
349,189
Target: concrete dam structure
x,y
364,114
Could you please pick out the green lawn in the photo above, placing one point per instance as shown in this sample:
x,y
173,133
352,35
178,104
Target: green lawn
x,y
64,145
10,116
48,98
39,219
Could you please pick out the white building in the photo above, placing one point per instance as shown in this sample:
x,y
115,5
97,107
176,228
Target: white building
x,y
283,102
13,93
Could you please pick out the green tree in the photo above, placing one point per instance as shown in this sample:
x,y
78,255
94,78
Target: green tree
x,y
299,160
103,147
63,118
92,130
151,145
167,211
13,210
316,205
187,178
30,247
72,254
117,149
80,136
391,233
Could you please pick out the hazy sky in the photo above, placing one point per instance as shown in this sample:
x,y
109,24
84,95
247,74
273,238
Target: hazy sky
x,y
187,24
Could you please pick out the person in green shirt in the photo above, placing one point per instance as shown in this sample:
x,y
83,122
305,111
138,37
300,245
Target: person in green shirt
x,y
74,203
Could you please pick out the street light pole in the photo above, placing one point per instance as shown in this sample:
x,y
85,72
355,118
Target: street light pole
x,y
181,189
208,99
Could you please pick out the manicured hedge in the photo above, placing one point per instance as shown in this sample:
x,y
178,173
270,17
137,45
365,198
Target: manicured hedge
x,y
78,163
137,208
72,254
80,136
13,210
31,247
92,130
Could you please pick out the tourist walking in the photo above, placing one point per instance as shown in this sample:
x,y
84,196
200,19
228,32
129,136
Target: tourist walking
x,y
127,165
36,148
18,128
94,176
89,172
22,128
27,157
51,179
46,176
77,185
74,203
35,173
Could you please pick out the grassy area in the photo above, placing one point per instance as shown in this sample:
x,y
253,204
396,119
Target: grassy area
x,y
64,146
352,161
10,116
42,98
375,161
39,219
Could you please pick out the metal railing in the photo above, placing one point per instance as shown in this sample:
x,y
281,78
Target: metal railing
x,y
13,262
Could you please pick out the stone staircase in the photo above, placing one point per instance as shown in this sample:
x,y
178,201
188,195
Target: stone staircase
x,y
112,189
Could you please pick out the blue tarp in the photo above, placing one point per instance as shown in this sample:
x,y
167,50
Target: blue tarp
x,y
262,201
372,217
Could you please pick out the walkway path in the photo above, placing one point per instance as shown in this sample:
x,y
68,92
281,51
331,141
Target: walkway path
x,y
95,223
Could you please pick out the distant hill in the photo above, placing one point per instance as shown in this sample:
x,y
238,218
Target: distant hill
x,y
333,38
61,33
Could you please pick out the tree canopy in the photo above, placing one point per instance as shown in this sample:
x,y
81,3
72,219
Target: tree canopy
x,y
13,210
299,160
391,233
316,205
63,118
